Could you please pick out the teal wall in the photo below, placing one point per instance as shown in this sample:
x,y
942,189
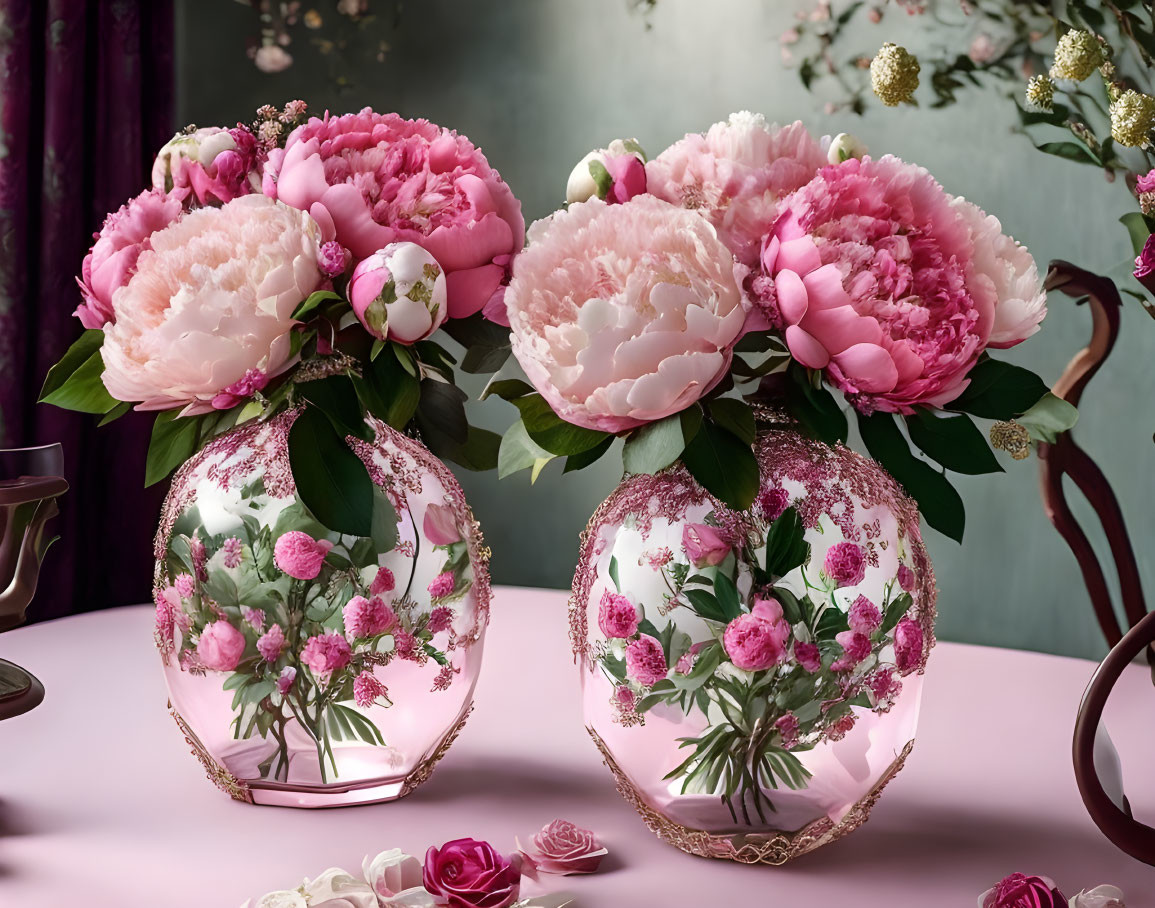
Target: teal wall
x,y
536,83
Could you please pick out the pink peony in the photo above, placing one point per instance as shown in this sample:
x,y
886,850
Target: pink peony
x,y
645,661
855,648
629,177
1145,182
209,166
383,179
808,656
398,293
736,175
112,260
334,258
864,616
404,644
440,525
1021,891
787,726
685,663
905,578
383,582
254,617
891,286
704,545
757,641
220,646
241,390
271,643
367,617
285,679
466,873
442,585
211,300
300,555
845,563
772,503
561,847
1145,264
232,552
367,690
326,653
624,314
440,619
908,643
617,616
185,585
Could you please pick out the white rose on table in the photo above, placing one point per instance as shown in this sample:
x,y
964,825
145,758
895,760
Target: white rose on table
x,y
282,898
1104,896
337,889
396,879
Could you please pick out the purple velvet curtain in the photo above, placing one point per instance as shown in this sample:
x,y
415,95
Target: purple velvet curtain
x,y
86,98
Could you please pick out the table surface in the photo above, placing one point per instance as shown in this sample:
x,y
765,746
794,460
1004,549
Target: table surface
x,y
101,803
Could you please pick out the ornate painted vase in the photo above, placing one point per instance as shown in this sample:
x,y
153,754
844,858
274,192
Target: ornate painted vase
x,y
753,679
308,668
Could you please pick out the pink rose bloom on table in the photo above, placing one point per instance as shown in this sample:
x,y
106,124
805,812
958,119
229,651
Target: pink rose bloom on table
x,y
736,174
704,545
624,314
384,179
211,300
300,555
326,653
466,873
891,286
220,646
617,616
756,641
561,847
398,293
645,661
112,260
1021,891
209,166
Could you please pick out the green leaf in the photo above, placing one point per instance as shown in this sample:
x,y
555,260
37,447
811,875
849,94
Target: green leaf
x,y
954,441
937,499
507,389
735,416
389,392
601,177
115,413
614,573
443,408
786,545
814,407
550,431
76,356
383,529
727,595
646,626
585,458
705,604
1049,418
831,622
174,440
313,302
332,482
520,452
1137,227
654,446
486,344
81,389
998,390
1071,151
898,607
336,397
479,453
405,357
724,465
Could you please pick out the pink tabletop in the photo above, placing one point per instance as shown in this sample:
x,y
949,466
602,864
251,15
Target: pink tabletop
x,y
101,803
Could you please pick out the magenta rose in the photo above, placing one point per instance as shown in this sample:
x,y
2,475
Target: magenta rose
x,y
845,563
704,545
383,179
757,641
326,653
466,873
908,643
1021,891
112,259
300,555
220,646
561,847
645,661
617,616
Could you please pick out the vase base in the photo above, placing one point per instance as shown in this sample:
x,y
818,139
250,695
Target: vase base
x,y
19,691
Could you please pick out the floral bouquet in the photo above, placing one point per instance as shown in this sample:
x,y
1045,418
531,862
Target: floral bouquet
x,y
273,297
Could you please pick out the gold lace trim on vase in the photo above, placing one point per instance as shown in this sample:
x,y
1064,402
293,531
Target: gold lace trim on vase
x,y
422,772
217,774
775,848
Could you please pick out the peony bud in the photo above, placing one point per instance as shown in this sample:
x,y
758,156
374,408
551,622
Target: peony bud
x,y
584,185
398,293
844,146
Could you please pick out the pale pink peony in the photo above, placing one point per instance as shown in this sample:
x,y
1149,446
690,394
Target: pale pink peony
x,y
892,286
367,617
220,646
645,661
300,555
112,260
440,525
271,643
908,643
561,847
442,585
383,582
736,174
367,690
757,641
384,179
326,653
398,293
704,545
617,616
209,166
211,300
624,314
845,563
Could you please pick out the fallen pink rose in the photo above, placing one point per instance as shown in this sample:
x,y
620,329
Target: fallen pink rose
x,y
563,848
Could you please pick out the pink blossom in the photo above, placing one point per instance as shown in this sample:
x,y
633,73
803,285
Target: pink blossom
x,y
112,260
383,582
271,643
440,525
704,545
864,616
1145,182
300,555
855,648
382,179
883,685
617,616
736,175
645,661
625,697
787,726
628,174
367,690
840,727
1021,891
442,585
211,300
845,563
657,558
367,617
561,847
404,644
685,663
210,166
232,552
905,578
220,646
1145,264
772,503
756,641
440,619
582,307
185,585
808,656
334,258
241,390
285,679
254,617
398,293
326,653
908,643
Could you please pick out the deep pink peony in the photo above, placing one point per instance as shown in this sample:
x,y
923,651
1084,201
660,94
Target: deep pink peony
x,y
440,619
466,873
326,653
300,555
442,585
384,179
209,166
1145,182
757,641
808,656
645,661
624,314
383,582
855,647
561,847
892,286
1021,891
440,525
908,643
845,563
736,174
112,260
864,616
704,545
220,646
367,617
617,616
271,643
